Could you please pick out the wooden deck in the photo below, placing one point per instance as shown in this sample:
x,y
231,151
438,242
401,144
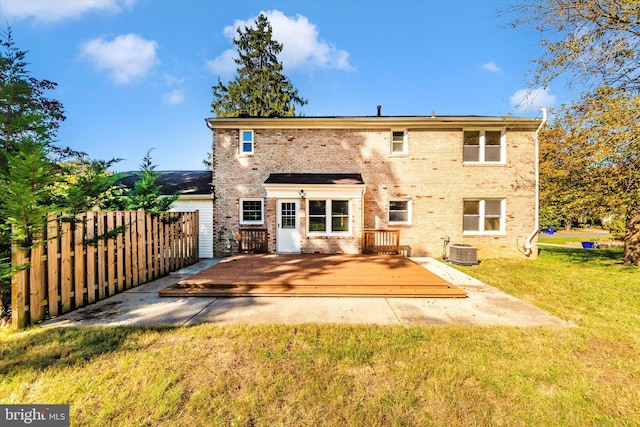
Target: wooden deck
x,y
315,275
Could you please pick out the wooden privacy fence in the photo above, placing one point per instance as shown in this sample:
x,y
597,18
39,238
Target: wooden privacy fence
x,y
95,255
381,242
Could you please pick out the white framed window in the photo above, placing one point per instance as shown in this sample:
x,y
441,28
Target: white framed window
x,y
399,142
483,216
400,211
246,142
328,217
484,146
251,211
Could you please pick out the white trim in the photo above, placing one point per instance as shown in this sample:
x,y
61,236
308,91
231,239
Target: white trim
x,y
482,216
482,147
242,142
328,218
405,142
288,240
409,211
368,122
315,191
249,199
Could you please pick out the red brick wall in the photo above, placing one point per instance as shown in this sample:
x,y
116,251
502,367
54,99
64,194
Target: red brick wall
x,y
432,175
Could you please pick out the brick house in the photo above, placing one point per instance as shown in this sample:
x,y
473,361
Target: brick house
x,y
316,183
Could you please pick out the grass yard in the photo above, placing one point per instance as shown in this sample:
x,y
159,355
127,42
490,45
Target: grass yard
x,y
359,375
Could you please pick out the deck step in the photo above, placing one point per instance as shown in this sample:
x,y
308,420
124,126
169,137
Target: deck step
x,y
315,275
235,290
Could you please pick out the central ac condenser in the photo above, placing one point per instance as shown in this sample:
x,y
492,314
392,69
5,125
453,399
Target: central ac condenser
x,y
463,254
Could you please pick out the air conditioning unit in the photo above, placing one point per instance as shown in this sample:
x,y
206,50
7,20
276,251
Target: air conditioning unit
x,y
463,254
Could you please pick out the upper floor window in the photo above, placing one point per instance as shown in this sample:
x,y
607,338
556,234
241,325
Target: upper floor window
x,y
483,146
251,211
328,216
398,142
246,142
483,216
400,212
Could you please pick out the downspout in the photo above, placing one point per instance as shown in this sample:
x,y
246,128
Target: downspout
x,y
364,189
527,243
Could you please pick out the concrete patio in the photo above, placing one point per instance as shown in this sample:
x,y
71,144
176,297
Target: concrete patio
x,y
485,305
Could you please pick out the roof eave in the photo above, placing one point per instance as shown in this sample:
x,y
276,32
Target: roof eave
x,y
371,122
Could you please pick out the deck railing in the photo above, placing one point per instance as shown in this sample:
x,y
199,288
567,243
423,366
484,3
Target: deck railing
x,y
253,240
380,241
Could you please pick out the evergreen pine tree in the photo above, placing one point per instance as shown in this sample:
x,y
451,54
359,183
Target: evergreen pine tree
x,y
28,123
259,88
34,180
24,110
146,193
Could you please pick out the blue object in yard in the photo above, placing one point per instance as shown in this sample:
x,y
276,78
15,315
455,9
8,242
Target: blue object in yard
x,y
587,245
550,230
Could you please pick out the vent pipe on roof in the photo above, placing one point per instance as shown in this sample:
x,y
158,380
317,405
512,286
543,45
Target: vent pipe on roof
x,y
379,110
433,113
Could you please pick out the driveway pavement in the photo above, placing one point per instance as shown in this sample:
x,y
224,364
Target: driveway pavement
x,y
485,305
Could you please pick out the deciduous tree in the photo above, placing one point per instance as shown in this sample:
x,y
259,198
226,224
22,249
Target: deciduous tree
x,y
595,166
595,42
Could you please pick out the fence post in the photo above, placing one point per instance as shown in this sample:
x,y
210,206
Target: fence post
x,y
91,257
141,235
79,260
196,232
53,240
37,282
120,253
18,287
111,255
65,266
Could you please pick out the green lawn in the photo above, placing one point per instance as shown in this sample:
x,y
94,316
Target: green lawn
x,y
360,375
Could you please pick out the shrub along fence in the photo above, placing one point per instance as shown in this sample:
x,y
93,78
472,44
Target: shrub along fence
x,y
95,255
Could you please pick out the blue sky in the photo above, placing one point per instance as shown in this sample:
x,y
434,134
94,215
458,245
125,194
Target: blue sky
x,y
137,74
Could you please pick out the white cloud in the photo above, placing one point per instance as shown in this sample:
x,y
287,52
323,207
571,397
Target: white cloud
x,y
56,10
126,57
172,80
302,47
492,67
174,97
223,64
524,100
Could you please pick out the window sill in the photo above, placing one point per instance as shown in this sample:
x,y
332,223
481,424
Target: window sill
x,y
484,163
476,234
330,236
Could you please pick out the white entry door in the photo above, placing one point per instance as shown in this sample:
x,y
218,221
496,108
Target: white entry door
x,y
288,235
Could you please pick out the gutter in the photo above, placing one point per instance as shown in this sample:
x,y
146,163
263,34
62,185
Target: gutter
x,y
527,243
